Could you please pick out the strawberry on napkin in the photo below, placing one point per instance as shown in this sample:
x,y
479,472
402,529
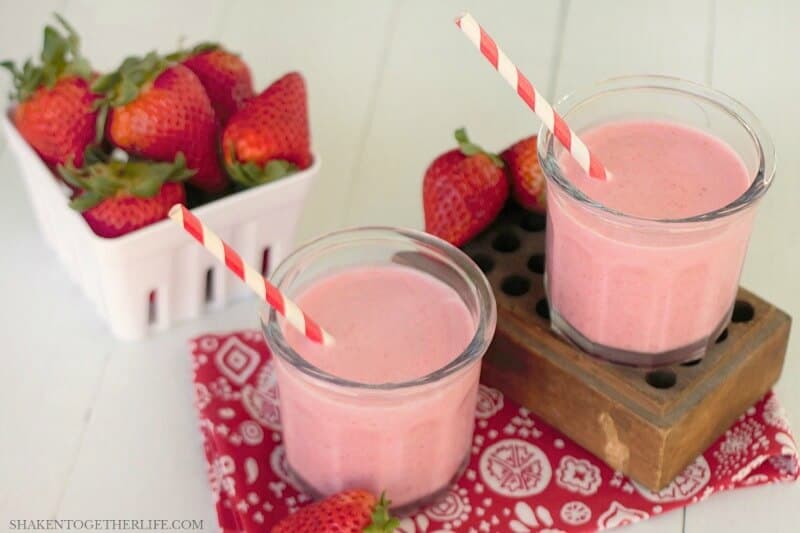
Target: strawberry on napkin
x,y
523,475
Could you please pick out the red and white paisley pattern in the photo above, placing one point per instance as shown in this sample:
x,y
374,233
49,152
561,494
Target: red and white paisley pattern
x,y
490,401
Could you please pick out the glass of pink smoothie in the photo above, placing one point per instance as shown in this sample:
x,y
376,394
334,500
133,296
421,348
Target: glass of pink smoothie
x,y
390,407
644,269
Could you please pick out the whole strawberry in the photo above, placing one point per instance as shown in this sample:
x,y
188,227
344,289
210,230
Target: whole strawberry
x,y
117,197
157,110
463,192
352,511
225,76
269,137
55,112
527,180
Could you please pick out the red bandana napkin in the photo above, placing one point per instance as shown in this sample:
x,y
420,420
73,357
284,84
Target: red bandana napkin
x,y
523,475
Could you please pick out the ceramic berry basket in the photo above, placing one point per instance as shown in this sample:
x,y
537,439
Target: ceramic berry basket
x,y
155,277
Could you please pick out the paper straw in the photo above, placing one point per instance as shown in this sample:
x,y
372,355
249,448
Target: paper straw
x,y
260,285
552,120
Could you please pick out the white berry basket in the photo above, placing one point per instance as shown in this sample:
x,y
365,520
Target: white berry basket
x,y
156,277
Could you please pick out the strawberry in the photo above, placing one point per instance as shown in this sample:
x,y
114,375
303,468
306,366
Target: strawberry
x,y
463,191
225,77
157,110
352,511
117,197
527,180
55,113
268,138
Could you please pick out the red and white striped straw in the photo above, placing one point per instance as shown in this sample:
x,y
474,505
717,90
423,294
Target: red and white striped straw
x,y
552,120
260,285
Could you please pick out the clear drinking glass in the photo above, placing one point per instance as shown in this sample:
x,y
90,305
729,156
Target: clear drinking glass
x,y
640,291
410,439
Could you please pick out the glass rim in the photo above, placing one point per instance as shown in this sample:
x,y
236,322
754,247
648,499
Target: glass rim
x,y
738,111
486,307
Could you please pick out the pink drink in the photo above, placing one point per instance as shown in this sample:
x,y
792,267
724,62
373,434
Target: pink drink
x,y
391,324
639,290
389,407
661,170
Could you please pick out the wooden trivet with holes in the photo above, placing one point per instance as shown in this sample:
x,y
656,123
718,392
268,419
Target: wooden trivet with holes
x,y
648,423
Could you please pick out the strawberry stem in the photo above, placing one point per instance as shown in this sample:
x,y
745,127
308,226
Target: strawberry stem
x,y
102,177
60,56
122,86
251,175
469,148
382,521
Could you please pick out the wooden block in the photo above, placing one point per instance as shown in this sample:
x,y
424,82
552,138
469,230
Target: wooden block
x,y
648,423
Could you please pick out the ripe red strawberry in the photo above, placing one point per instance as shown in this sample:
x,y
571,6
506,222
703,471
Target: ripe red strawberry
x,y
117,197
269,138
55,113
463,191
352,511
527,180
158,110
225,76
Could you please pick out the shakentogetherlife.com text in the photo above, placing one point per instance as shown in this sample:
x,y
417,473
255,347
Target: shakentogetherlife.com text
x,y
56,524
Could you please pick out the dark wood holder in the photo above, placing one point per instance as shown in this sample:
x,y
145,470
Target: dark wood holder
x,y
648,423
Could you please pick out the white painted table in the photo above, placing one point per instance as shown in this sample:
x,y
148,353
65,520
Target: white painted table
x,y
94,428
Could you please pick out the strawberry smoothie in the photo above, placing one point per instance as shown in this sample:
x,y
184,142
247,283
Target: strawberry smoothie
x,y
408,322
390,406
622,283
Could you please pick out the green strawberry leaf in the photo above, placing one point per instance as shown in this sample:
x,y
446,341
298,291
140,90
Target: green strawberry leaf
x,y
72,35
252,171
237,174
11,67
55,46
80,67
147,186
468,148
85,201
496,160
278,168
124,84
126,92
100,122
94,153
251,175
70,174
104,181
178,171
105,82
60,56
382,521
102,177
206,46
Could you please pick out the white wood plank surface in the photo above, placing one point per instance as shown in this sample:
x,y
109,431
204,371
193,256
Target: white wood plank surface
x,y
54,349
623,37
112,31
